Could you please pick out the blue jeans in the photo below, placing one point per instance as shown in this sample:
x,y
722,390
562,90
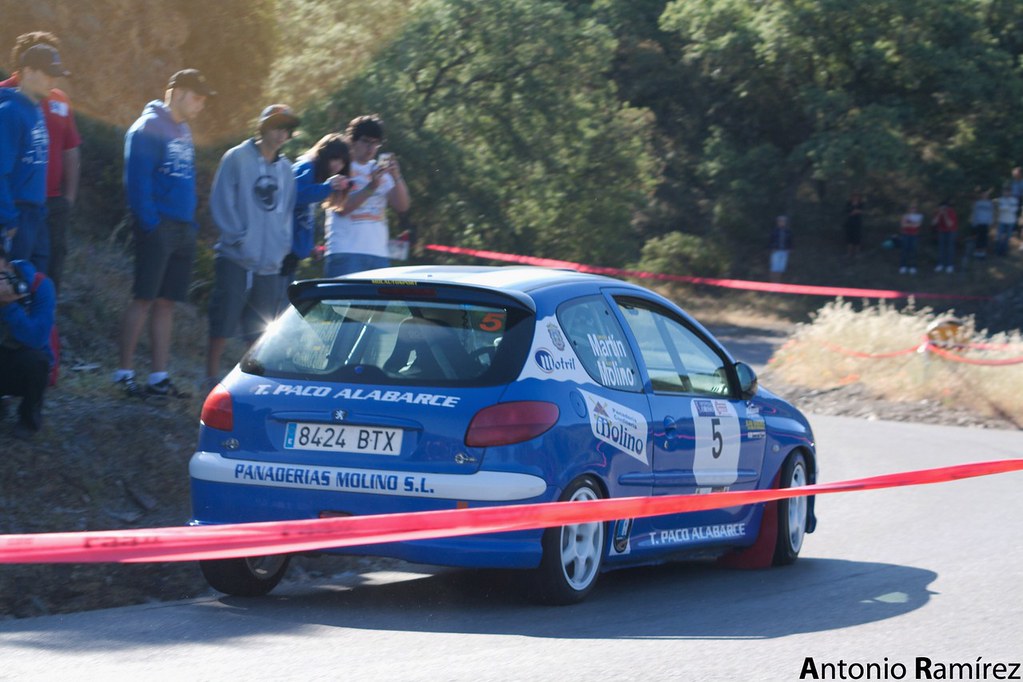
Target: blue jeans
x,y
946,249
1002,238
32,241
337,264
908,251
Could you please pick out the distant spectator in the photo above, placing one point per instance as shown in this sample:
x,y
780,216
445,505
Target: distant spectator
x,y
319,172
946,223
357,232
27,309
24,147
1016,182
1008,209
252,202
780,245
63,160
909,231
981,217
854,224
159,177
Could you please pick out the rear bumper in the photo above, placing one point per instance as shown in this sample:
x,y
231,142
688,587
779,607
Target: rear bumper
x,y
481,486
228,490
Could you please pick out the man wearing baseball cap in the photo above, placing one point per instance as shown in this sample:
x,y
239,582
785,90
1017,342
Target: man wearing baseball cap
x,y
24,146
63,160
159,176
252,202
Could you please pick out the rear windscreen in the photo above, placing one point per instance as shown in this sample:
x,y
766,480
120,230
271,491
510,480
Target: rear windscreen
x,y
376,341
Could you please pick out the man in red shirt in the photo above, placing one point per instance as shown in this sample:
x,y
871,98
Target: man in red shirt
x,y
63,163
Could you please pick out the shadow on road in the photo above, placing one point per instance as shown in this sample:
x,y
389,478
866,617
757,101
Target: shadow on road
x,y
672,601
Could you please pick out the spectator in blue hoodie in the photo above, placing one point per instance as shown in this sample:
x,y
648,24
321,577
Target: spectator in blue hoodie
x,y
159,177
27,309
24,146
319,172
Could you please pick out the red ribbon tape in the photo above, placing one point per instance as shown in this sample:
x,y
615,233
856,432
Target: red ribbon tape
x,y
278,537
805,289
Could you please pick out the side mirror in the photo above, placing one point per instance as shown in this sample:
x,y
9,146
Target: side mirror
x,y
747,380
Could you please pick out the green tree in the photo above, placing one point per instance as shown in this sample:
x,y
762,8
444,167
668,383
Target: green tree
x,y
323,44
903,95
510,130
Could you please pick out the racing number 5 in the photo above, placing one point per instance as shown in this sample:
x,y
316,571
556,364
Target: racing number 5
x,y
719,441
492,322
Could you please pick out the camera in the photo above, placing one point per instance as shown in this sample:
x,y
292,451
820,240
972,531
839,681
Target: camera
x,y
17,284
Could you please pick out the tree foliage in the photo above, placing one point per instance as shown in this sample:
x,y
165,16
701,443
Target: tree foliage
x,y
805,95
510,131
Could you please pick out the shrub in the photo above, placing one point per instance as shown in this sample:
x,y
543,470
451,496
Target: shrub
x,y
677,253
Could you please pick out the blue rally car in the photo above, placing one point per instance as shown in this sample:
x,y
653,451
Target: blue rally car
x,y
428,388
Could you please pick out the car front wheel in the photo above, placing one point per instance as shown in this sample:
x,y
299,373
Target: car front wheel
x,y
572,555
792,512
247,577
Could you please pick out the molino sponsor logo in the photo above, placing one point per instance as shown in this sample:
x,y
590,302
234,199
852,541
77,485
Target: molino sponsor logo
x,y
617,425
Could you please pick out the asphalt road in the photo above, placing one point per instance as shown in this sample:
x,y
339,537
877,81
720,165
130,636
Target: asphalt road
x,y
930,572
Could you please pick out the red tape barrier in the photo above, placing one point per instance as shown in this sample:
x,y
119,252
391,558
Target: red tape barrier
x,y
937,349
806,289
941,352
860,354
278,537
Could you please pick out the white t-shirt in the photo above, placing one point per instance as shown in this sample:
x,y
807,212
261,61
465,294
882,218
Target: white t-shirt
x,y
365,229
1007,209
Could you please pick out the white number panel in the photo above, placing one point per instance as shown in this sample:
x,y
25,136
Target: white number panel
x,y
718,441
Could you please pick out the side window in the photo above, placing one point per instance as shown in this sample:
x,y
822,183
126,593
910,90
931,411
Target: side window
x,y
599,342
677,360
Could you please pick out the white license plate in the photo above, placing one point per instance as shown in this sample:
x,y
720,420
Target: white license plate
x,y
337,438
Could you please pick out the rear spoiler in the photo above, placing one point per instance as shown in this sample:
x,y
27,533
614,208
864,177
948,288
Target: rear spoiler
x,y
406,288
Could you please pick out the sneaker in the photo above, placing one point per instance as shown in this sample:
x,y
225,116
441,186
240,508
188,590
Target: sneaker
x,y
939,268
902,271
912,271
950,269
166,389
131,388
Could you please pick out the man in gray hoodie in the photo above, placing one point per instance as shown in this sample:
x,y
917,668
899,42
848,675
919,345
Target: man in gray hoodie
x,y
252,203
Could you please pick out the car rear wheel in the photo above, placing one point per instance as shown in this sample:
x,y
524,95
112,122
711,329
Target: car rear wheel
x,y
792,512
572,555
247,577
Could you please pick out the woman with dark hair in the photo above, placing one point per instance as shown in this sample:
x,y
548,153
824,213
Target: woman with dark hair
x,y
319,172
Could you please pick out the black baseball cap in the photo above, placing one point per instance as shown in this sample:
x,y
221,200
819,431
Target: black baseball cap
x,y
44,58
278,116
191,79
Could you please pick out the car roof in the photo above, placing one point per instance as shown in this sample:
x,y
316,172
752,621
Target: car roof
x,y
515,278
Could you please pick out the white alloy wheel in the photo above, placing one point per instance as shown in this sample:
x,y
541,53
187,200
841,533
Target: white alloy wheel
x,y
581,547
792,512
573,554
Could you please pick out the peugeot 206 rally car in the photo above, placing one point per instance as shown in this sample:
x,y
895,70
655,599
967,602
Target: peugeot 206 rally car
x,y
428,388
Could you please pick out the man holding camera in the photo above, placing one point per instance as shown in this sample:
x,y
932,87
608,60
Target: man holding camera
x,y
28,305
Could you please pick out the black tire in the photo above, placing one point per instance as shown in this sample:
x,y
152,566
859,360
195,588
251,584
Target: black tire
x,y
792,512
248,577
572,555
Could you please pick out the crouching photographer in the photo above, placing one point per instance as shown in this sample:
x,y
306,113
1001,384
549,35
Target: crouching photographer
x,y
27,309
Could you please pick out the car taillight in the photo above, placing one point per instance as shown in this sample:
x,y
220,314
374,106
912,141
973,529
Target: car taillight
x,y
217,412
508,423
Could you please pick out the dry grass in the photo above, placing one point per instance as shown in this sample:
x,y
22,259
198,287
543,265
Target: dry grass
x,y
841,346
